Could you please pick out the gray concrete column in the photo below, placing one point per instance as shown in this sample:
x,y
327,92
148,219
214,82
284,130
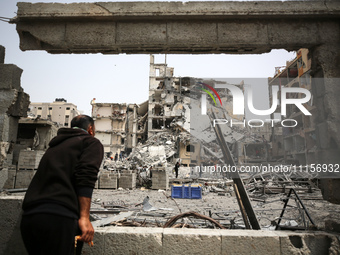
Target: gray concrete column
x,y
326,92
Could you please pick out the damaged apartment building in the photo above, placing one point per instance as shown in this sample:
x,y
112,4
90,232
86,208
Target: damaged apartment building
x,y
60,111
168,107
158,130
119,126
296,144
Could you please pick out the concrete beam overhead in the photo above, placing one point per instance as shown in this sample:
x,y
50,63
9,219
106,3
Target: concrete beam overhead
x,y
176,27
176,10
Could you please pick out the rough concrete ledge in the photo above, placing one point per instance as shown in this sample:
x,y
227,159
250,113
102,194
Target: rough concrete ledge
x,y
125,240
131,240
171,27
159,10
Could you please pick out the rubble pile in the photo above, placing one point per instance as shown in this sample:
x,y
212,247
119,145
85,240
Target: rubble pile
x,y
156,150
152,208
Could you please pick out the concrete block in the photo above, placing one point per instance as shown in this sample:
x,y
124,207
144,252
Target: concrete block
x,y
20,107
250,242
2,54
8,129
10,76
133,241
160,179
91,34
127,181
29,159
7,97
10,218
143,33
191,241
108,181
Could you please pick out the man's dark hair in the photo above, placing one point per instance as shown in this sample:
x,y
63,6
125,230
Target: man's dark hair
x,y
82,121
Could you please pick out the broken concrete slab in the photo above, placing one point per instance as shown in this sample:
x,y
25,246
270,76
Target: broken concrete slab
x,y
108,221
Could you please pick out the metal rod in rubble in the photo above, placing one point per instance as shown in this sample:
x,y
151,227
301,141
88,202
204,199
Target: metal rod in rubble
x,y
243,196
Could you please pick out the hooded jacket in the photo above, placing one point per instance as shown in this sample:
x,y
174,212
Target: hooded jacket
x,y
68,168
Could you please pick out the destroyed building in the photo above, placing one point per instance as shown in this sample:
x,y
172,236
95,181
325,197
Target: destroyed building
x,y
119,126
299,142
60,111
136,125
110,121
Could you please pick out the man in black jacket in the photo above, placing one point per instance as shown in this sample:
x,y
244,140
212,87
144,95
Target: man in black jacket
x,y
58,200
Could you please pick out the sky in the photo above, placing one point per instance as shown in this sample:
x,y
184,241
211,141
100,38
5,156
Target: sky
x,y
115,78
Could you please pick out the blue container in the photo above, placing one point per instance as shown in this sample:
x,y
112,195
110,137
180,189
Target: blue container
x,y
186,191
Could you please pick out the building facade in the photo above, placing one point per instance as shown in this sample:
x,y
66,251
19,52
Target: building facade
x,y
119,126
60,111
299,142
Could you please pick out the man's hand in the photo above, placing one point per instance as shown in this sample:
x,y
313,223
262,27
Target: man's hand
x,y
87,231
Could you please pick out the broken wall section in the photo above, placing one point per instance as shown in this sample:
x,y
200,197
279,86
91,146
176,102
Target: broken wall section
x,y
13,105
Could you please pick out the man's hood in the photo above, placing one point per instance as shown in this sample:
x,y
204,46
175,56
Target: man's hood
x,y
66,133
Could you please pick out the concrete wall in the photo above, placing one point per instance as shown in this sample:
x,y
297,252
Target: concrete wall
x,y
13,105
130,240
